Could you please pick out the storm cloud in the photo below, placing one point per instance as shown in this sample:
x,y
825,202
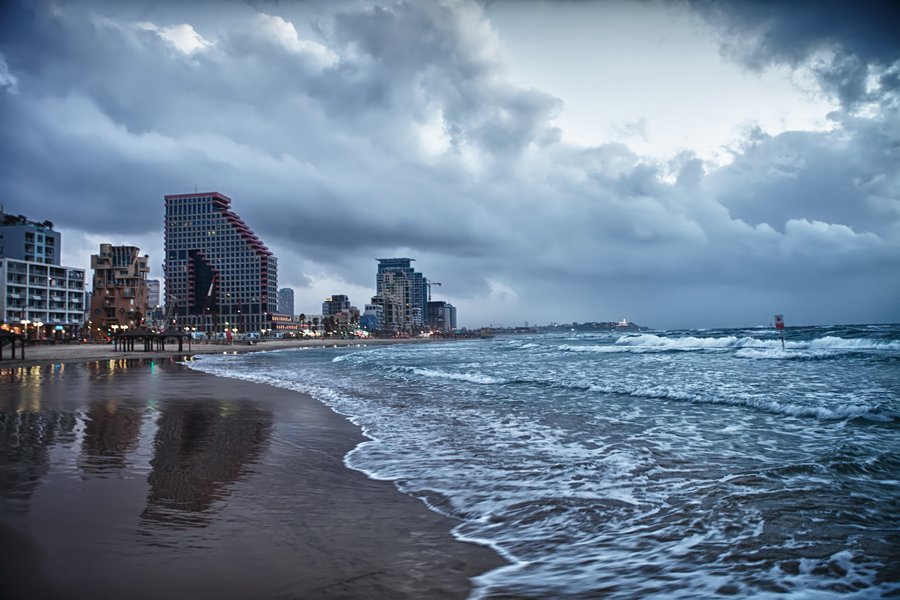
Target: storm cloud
x,y
345,132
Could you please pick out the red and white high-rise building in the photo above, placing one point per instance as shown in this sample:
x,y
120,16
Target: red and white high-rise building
x,y
219,275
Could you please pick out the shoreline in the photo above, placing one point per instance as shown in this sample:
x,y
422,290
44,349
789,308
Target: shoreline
x,y
55,354
245,483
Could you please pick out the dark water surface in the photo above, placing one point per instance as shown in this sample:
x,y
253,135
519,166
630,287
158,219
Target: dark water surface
x,y
689,464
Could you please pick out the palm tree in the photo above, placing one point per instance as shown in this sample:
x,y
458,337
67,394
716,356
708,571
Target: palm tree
x,y
315,325
302,318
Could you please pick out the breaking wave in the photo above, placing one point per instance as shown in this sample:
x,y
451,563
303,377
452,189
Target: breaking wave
x,y
655,343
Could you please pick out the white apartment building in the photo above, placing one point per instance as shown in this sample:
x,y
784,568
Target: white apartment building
x,y
42,300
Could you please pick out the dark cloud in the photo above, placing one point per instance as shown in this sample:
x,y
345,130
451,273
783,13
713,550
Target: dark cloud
x,y
848,175
394,129
853,46
792,30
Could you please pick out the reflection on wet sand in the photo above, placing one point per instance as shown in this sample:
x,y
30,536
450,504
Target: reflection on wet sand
x,y
25,442
200,450
159,482
112,430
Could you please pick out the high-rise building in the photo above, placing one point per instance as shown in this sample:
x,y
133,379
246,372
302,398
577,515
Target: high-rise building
x,y
38,297
119,298
403,294
335,305
152,293
441,316
219,275
286,301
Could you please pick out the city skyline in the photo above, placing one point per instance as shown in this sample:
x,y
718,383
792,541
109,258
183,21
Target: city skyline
x,y
678,164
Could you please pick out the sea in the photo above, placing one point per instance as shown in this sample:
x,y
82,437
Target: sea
x,y
656,464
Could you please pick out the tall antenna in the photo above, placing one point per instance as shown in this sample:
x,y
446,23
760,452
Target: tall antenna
x,y
195,188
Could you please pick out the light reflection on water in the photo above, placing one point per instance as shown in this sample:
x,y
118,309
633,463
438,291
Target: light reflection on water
x,y
185,451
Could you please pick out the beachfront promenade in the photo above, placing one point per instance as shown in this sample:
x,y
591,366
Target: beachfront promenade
x,y
129,475
39,355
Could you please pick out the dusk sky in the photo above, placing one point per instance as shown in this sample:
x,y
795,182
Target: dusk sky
x,y
677,164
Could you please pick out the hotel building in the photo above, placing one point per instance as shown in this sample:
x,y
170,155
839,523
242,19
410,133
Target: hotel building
x,y
37,295
218,273
119,298
402,293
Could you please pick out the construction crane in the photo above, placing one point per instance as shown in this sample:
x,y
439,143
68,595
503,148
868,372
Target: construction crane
x,y
429,284
172,303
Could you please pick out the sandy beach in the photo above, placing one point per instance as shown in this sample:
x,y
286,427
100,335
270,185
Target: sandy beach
x,y
46,355
139,478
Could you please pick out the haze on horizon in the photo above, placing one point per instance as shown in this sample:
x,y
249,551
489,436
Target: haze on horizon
x,y
682,163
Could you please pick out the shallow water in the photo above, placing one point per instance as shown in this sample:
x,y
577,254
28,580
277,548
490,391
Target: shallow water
x,y
667,464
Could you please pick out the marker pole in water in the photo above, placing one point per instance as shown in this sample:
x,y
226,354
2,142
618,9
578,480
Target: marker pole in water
x,y
779,324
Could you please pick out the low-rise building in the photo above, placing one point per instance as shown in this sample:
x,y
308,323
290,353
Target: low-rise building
x,y
41,300
372,318
38,296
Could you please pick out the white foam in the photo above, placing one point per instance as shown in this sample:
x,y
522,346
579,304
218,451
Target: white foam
x,y
779,354
434,373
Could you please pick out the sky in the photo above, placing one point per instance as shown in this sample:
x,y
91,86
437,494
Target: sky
x,y
679,164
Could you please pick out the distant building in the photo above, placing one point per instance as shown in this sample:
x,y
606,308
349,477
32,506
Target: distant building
x,y
38,297
373,317
152,293
218,273
441,316
119,297
335,305
285,324
315,324
346,321
403,294
28,241
286,301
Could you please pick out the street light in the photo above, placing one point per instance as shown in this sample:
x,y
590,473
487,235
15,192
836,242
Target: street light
x,y
25,323
38,325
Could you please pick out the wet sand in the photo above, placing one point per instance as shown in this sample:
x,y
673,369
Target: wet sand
x,y
143,479
46,355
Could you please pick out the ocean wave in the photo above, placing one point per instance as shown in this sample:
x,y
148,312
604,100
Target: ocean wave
x,y
840,412
779,354
649,341
836,343
687,343
433,373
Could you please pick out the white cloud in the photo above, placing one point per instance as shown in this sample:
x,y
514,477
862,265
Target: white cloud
x,y
181,36
8,81
285,34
